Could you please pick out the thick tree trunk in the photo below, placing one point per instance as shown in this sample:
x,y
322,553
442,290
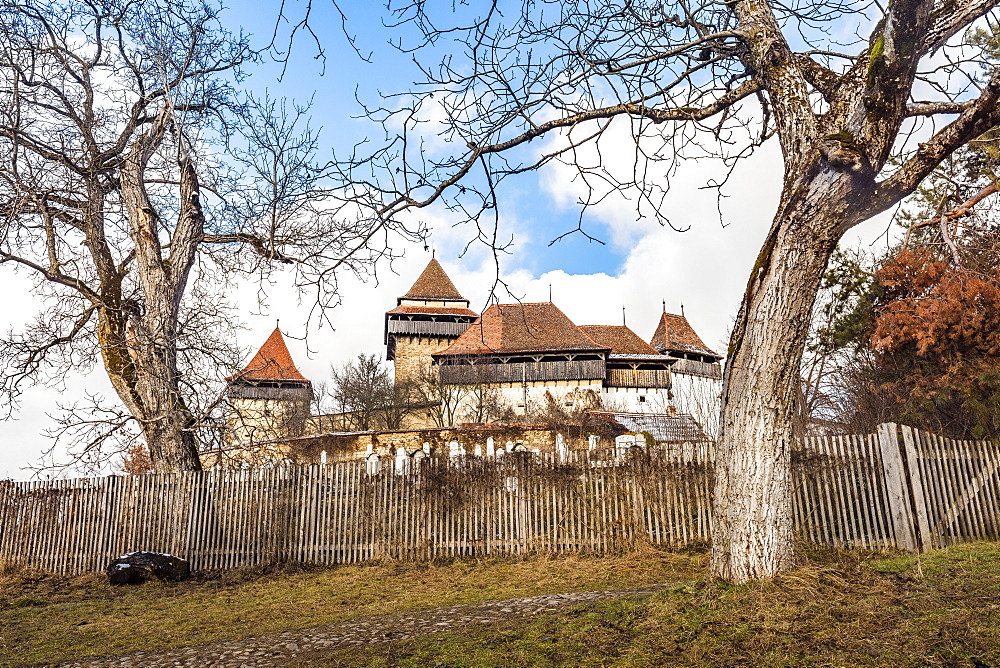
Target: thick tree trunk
x,y
167,423
171,443
148,331
752,513
142,366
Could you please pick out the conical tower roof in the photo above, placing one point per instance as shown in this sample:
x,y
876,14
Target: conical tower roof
x,y
674,333
434,284
272,362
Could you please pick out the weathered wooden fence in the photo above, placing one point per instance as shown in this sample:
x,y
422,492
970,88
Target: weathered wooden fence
x,y
345,512
898,488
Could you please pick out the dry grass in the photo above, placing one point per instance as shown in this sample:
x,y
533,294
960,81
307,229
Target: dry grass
x,y
9,568
941,609
847,609
48,618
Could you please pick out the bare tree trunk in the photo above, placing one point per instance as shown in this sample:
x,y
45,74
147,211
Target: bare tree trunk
x,y
166,419
752,532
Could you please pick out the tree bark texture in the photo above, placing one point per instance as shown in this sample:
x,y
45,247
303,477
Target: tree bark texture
x,y
752,536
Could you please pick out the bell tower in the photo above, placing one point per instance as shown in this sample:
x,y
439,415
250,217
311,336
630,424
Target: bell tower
x,y
427,319
269,399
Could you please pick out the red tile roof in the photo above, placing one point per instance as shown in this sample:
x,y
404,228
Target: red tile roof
x,y
272,362
621,340
433,310
521,328
675,333
434,284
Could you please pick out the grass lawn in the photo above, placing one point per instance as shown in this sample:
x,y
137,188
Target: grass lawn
x,y
46,618
941,609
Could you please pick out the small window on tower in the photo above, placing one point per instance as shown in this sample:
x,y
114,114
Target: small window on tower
x,y
642,399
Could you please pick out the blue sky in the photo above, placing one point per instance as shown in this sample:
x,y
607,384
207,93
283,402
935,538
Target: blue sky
x,y
333,83
640,265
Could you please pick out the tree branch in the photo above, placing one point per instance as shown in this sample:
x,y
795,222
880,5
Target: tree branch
x,y
780,73
962,210
893,55
653,114
950,17
932,108
821,78
978,117
60,278
262,246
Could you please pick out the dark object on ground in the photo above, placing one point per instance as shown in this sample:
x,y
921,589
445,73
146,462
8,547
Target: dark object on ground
x,y
137,567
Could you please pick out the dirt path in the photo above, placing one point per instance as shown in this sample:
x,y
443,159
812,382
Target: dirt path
x,y
278,648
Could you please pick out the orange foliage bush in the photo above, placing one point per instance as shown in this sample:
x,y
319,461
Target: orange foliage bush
x,y
936,340
137,460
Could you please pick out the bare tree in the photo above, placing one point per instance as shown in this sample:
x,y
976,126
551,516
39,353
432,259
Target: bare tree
x,y
363,392
701,399
130,171
483,402
695,79
437,400
834,358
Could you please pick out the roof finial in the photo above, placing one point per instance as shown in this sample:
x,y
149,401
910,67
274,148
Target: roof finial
x,y
277,323
664,305
623,316
682,309
550,293
433,253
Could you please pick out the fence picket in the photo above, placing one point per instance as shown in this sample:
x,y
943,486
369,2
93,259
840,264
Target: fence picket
x,y
917,488
866,499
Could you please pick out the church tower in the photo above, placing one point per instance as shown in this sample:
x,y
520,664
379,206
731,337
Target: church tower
x,y
269,399
696,371
427,319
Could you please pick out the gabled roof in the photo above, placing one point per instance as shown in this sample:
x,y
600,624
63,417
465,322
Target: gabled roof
x,y
521,328
663,427
620,339
434,284
272,362
675,333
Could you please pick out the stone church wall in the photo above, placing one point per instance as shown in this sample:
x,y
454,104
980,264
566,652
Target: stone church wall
x,y
341,447
257,420
414,354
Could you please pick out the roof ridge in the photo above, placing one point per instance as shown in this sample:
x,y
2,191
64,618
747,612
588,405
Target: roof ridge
x,y
522,327
622,340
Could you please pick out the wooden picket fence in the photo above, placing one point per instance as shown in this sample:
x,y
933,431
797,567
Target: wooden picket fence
x,y
896,489
900,488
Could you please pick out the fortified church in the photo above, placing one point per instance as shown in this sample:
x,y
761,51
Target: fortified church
x,y
525,356
531,351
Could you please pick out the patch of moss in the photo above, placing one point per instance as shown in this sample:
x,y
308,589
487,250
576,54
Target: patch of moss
x,y
875,59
